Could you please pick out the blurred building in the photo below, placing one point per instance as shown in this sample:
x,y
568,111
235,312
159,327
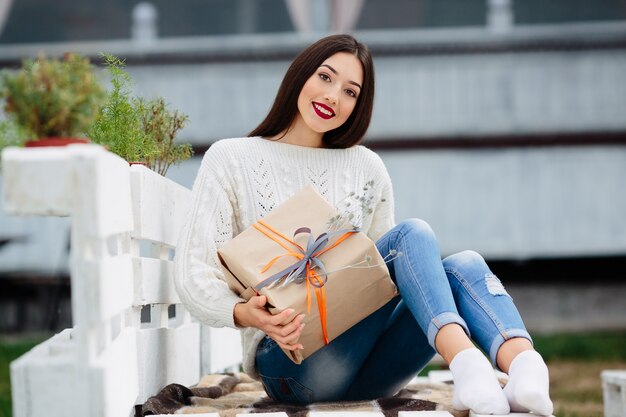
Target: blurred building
x,y
502,123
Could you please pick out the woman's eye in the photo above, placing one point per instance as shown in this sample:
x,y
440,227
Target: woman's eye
x,y
351,93
324,77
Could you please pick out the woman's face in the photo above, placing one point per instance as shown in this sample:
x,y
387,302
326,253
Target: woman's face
x,y
330,94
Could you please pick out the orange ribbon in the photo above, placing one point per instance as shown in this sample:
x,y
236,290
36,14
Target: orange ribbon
x,y
312,278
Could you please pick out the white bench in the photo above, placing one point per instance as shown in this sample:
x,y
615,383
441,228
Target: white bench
x,y
614,393
131,335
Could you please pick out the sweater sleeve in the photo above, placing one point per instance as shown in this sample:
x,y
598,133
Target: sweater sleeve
x,y
384,217
198,277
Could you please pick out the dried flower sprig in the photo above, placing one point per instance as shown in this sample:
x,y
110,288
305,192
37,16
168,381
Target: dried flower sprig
x,y
353,208
392,255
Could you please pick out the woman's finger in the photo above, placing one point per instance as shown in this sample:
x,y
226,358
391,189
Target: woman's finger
x,y
290,339
295,336
289,346
291,327
283,318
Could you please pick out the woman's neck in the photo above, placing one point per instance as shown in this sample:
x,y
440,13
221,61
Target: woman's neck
x,y
300,134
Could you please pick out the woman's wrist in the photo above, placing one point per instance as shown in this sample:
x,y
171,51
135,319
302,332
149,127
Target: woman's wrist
x,y
238,314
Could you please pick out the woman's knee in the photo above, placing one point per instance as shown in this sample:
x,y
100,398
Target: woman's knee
x,y
464,260
417,227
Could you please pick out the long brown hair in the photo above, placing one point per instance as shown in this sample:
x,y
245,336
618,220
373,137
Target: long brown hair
x,y
285,107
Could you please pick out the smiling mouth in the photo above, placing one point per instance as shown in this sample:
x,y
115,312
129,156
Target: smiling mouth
x,y
323,111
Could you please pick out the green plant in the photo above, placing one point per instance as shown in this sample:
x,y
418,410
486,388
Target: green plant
x,y
136,129
162,125
52,97
119,122
11,134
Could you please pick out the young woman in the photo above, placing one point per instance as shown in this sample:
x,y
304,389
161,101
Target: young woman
x,y
310,136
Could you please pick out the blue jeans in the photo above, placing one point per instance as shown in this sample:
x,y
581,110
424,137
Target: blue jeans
x,y
383,352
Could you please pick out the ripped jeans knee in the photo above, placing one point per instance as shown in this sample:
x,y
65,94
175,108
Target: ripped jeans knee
x,y
483,301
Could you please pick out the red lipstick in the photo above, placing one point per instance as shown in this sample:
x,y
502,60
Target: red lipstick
x,y
323,110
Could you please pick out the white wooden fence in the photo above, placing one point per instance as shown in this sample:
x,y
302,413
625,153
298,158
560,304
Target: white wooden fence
x,y
131,335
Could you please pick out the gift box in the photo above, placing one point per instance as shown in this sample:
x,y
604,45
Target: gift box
x,y
335,277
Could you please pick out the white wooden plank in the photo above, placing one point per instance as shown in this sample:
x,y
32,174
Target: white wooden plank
x,y
103,204
280,414
166,356
159,206
194,415
154,282
183,344
614,392
107,289
114,378
37,181
78,179
151,358
221,349
346,414
473,414
44,381
115,286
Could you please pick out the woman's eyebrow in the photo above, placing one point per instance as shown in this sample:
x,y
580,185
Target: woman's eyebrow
x,y
335,72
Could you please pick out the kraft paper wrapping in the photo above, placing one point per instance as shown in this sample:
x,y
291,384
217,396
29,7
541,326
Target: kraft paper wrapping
x,y
351,293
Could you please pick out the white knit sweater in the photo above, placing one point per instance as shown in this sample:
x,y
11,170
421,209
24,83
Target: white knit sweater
x,y
240,181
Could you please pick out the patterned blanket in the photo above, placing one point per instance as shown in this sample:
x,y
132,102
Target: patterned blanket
x,y
231,394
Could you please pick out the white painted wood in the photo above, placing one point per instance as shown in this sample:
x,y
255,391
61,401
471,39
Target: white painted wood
x,y
45,380
37,181
346,414
104,197
424,414
109,287
614,392
473,414
113,378
160,206
153,283
195,415
221,349
151,378
168,356
280,414
110,361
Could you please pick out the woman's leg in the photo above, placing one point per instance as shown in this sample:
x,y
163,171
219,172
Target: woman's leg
x,y
327,374
400,353
341,369
374,358
424,287
497,327
379,355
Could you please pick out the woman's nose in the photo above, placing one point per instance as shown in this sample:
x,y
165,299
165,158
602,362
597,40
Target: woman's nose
x,y
331,98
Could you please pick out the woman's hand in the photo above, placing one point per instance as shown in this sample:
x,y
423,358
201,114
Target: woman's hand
x,y
283,327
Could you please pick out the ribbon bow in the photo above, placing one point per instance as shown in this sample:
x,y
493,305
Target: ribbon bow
x,y
303,270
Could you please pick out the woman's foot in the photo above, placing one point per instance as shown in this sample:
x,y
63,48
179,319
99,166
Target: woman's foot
x,y
475,384
528,388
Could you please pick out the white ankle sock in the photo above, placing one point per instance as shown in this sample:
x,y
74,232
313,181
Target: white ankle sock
x,y
528,388
475,384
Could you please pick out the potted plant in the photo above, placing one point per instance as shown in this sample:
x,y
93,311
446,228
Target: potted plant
x,y
161,125
10,135
54,101
140,131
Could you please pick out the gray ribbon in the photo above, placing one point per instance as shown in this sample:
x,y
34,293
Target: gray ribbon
x,y
297,272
